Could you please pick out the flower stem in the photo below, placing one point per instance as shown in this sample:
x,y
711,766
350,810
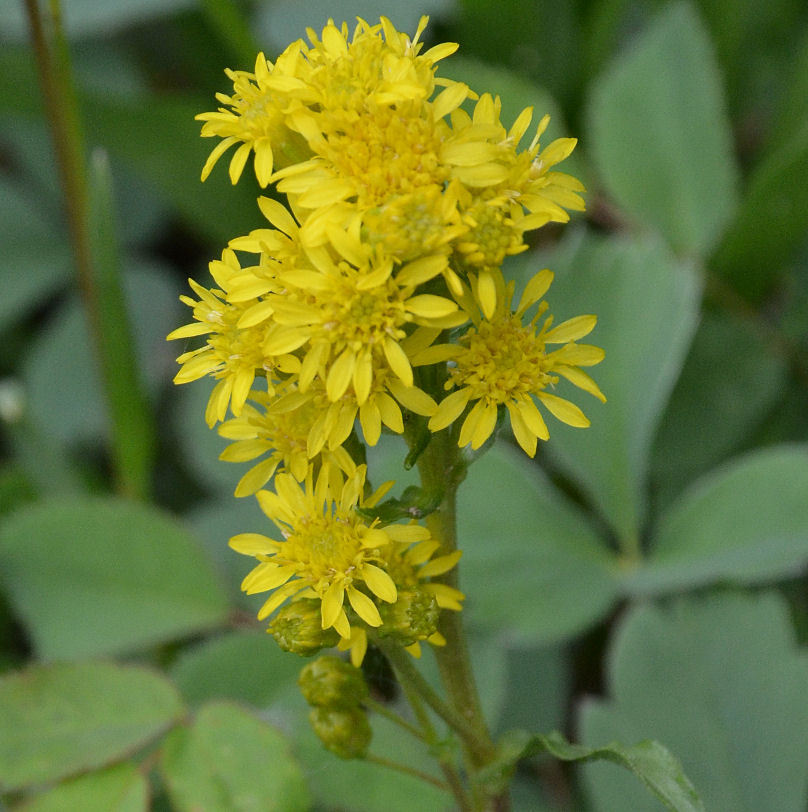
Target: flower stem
x,y
92,236
383,710
403,768
442,468
448,768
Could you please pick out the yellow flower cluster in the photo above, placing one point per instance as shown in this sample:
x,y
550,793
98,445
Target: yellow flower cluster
x,y
373,290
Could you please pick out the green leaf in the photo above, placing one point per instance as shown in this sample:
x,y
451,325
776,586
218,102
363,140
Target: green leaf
x,y
230,760
284,21
534,37
215,521
659,135
57,720
200,446
121,788
729,383
132,426
647,306
88,17
101,576
61,367
721,682
531,564
246,666
772,221
652,763
34,261
126,127
746,522
539,681
361,786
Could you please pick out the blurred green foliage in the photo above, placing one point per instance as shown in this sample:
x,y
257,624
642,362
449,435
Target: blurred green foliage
x,y
643,579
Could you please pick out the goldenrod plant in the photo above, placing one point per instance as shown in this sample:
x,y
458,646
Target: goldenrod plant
x,y
473,475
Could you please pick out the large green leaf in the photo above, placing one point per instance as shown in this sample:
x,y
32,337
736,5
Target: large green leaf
x,y
98,576
284,21
719,681
730,381
648,760
228,760
122,788
747,522
88,17
61,367
127,128
57,720
773,219
246,666
659,135
361,786
34,261
531,565
200,445
647,305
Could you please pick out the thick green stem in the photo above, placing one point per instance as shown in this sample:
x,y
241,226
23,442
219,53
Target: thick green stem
x,y
442,468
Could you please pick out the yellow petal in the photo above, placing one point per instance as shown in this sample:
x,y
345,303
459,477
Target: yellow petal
x,y
449,409
485,426
371,420
534,290
487,293
470,424
412,398
581,380
408,533
256,477
429,306
379,583
364,607
332,604
340,374
440,565
238,160
524,436
253,544
571,330
565,411
398,361
278,215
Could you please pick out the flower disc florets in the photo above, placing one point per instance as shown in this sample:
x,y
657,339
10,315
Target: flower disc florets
x,y
327,549
503,360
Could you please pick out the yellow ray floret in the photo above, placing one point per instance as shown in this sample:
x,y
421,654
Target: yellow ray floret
x,y
503,360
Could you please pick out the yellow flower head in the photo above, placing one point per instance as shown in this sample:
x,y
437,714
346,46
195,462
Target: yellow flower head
x,y
256,120
412,568
326,551
278,430
233,353
503,360
486,158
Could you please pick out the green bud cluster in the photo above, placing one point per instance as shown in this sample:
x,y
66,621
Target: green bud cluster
x,y
336,689
413,617
297,627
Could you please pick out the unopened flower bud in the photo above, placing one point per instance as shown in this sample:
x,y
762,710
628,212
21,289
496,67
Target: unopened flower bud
x,y
344,731
413,616
333,683
297,627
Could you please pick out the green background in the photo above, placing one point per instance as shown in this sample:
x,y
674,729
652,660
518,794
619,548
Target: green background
x,y
645,578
